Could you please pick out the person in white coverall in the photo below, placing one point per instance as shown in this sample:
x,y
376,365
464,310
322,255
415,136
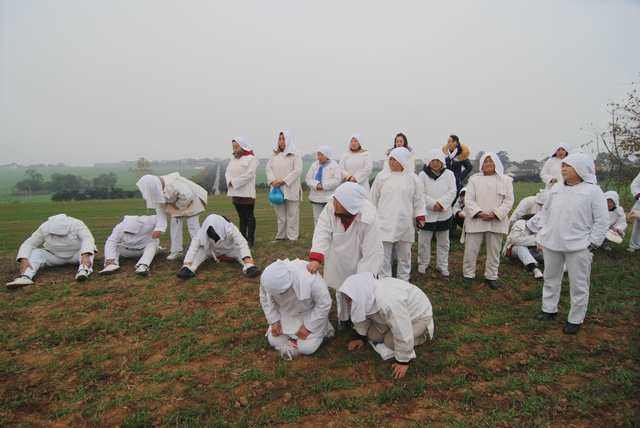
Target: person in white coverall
x,y
283,171
529,206
220,240
521,244
323,177
550,173
388,312
438,185
488,200
398,199
617,219
346,239
575,221
60,240
132,237
356,164
177,197
296,304
634,242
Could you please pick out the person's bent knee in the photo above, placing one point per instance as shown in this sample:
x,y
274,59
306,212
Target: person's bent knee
x,y
309,346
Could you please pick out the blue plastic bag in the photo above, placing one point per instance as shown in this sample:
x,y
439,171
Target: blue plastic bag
x,y
276,197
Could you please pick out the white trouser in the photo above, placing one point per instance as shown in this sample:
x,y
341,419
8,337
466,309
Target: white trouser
x,y
146,254
442,250
288,216
579,270
193,225
306,347
317,210
523,254
472,244
403,255
634,241
197,255
42,258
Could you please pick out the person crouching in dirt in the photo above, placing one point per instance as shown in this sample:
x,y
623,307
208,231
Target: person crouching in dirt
x,y
393,315
296,304
132,237
221,240
617,220
60,240
521,244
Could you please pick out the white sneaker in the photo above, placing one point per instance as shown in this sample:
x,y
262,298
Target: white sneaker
x,y
422,270
174,256
109,269
83,274
20,281
537,273
142,270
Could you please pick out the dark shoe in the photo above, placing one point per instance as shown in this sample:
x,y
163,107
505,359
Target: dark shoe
x,y
467,281
546,316
493,284
252,272
343,325
185,273
570,328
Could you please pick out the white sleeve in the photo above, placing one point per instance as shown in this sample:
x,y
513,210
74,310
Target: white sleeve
x,y
310,178
520,211
363,174
296,172
418,201
621,220
447,199
322,234
502,212
635,186
428,200
331,183
374,195
269,171
372,251
471,207
87,243
161,222
600,218
34,241
269,307
545,174
319,315
399,321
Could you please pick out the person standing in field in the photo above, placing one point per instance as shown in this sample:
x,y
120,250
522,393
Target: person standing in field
x,y
634,242
356,164
323,177
132,237
177,197
575,221
551,170
61,240
398,199
457,160
488,200
241,186
438,185
283,171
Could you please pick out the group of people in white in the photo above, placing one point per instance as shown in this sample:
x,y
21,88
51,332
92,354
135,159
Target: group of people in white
x,y
363,233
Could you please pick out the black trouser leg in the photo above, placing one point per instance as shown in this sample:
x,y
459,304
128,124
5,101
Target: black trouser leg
x,y
243,219
251,225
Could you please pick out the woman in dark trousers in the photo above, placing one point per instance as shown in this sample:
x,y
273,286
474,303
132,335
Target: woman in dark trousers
x,y
241,186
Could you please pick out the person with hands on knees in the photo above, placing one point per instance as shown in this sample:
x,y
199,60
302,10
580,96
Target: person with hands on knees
x,y
488,200
221,240
399,200
296,304
61,240
393,315
575,221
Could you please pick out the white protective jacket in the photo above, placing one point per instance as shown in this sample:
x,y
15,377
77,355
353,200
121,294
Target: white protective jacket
x,y
440,190
62,236
331,179
241,176
231,243
184,198
133,233
287,166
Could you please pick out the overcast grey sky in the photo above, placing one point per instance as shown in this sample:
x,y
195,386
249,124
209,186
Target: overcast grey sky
x,y
84,81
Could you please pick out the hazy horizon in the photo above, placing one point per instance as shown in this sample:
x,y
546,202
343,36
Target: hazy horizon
x,y
86,82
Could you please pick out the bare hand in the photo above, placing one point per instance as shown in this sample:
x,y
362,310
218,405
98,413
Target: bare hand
x,y
313,266
24,265
319,186
249,260
540,247
156,234
352,179
85,260
421,223
438,207
276,329
399,370
355,344
303,333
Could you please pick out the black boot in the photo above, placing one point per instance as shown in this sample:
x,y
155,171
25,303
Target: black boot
x,y
571,328
493,284
546,316
185,273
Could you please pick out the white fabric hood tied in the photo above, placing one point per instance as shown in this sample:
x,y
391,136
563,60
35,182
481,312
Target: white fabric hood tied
x,y
281,275
584,166
58,225
613,195
357,136
244,144
402,155
360,288
496,160
542,196
351,196
290,147
134,224
151,188
435,155
220,224
567,148
325,150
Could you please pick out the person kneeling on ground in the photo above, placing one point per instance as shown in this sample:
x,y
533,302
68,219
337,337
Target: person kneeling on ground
x,y
132,237
221,240
521,244
296,304
61,240
394,315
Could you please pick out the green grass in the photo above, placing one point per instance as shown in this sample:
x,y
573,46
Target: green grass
x,y
155,351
